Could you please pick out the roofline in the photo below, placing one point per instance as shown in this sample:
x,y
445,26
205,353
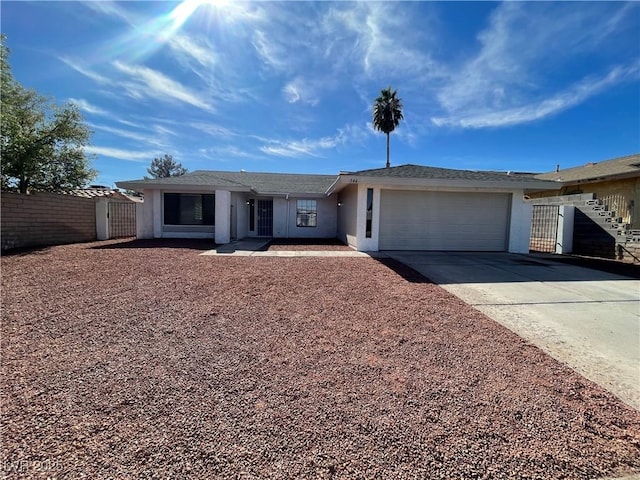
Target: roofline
x,y
600,178
191,187
528,185
332,187
186,187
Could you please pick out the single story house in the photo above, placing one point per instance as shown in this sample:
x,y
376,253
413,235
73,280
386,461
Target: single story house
x,y
615,182
409,207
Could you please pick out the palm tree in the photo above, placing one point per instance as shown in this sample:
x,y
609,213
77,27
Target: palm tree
x,y
387,113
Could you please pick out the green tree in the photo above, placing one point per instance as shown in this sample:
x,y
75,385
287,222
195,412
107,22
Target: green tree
x,y
165,166
41,143
387,113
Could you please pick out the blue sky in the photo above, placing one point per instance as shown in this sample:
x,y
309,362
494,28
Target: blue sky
x,y
288,86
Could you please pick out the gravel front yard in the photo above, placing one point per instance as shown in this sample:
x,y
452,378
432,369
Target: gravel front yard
x,y
129,362
309,245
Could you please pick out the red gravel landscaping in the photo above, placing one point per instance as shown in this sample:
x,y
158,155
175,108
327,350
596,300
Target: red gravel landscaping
x,y
308,245
148,360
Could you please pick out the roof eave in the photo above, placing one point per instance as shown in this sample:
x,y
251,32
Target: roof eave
x,y
179,187
527,185
600,178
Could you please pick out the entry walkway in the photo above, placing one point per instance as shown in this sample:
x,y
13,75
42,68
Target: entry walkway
x,y
587,319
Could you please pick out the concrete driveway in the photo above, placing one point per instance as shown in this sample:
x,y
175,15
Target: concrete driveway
x,y
587,319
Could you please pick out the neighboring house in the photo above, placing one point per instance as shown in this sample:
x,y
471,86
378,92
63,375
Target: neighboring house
x,y
409,207
616,183
605,197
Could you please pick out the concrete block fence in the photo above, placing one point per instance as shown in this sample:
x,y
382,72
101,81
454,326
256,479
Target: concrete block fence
x,y
41,219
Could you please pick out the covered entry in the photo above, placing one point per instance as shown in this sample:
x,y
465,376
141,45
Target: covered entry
x,y
454,221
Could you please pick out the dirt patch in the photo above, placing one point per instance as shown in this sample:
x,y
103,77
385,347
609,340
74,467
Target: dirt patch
x,y
159,362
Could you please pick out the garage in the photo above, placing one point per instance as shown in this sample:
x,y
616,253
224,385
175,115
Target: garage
x,y
454,221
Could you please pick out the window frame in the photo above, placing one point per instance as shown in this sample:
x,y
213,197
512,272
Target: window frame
x,y
173,212
368,230
309,211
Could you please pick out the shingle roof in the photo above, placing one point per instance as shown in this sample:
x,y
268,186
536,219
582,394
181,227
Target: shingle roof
x,y
266,183
628,166
420,171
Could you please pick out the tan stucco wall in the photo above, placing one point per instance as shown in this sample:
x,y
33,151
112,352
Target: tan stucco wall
x,y
623,196
347,215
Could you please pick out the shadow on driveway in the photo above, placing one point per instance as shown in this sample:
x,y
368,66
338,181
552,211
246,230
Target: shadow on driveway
x,y
496,267
406,272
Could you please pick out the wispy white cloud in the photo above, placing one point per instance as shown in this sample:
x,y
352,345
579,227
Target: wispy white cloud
x,y
157,140
147,82
85,106
225,152
269,51
87,72
511,78
164,130
129,123
290,150
373,34
121,154
186,46
213,129
575,95
299,148
107,7
314,147
300,90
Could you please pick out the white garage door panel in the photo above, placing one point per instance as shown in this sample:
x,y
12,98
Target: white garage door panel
x,y
443,221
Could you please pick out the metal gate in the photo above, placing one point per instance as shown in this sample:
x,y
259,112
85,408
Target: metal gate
x,y
544,228
265,218
122,219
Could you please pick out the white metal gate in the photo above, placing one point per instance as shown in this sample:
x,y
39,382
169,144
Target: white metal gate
x,y
122,219
544,228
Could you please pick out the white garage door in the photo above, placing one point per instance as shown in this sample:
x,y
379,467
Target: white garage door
x,y
443,221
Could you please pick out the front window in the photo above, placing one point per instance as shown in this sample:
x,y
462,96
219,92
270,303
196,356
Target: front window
x,y
189,209
369,225
306,213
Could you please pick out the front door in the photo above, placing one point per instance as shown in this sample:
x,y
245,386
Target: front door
x,y
265,218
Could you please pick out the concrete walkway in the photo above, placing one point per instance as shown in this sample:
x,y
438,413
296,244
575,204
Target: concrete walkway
x,y
254,248
587,319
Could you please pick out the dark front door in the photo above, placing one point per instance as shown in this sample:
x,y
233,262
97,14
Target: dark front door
x,y
265,218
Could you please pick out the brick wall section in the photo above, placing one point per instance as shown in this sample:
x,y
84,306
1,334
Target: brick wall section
x,y
45,219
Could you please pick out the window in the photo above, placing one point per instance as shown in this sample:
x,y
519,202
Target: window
x,y
306,213
369,212
189,209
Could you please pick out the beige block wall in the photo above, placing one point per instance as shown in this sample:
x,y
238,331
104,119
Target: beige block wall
x,y
45,219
